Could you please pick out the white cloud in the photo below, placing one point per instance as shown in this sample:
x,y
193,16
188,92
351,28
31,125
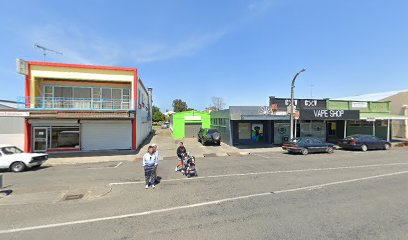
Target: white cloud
x,y
150,51
84,45
257,8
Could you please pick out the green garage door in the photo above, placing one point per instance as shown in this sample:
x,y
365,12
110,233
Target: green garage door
x,y
191,130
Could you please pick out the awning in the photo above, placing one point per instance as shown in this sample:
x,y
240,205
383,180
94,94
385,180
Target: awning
x,y
265,117
381,116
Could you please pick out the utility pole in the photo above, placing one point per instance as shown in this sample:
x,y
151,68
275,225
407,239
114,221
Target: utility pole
x,y
45,50
292,95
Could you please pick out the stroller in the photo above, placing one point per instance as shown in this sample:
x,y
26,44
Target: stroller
x,y
186,165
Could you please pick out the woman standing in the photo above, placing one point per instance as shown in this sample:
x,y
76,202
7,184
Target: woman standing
x,y
149,162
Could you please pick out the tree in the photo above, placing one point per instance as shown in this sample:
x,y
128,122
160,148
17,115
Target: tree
x,y
217,103
157,115
179,105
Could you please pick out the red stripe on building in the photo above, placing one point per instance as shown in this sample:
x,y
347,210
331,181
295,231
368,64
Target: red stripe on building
x,y
134,140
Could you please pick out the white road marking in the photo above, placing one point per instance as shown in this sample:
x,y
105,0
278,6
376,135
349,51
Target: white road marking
x,y
215,202
263,173
116,166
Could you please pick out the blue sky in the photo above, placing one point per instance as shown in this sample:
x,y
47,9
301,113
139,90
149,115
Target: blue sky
x,y
241,50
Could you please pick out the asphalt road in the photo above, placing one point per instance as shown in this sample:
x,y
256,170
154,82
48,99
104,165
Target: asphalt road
x,y
346,195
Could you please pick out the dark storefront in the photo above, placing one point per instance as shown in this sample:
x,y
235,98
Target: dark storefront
x,y
248,125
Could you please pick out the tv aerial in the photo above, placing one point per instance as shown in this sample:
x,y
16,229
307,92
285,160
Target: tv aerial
x,y
46,50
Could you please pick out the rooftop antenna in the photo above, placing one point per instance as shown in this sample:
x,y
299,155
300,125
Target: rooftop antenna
x,y
45,50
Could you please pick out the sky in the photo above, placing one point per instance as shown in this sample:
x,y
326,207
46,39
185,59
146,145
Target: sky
x,y
241,50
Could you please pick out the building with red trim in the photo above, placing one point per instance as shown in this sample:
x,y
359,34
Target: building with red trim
x,y
74,107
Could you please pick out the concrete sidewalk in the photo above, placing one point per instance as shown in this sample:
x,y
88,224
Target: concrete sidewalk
x,y
90,157
167,147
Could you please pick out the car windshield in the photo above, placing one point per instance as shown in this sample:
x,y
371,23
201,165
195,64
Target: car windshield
x,y
296,140
11,150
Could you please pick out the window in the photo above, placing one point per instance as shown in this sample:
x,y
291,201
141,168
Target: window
x,y
11,150
65,137
354,123
316,141
244,131
85,97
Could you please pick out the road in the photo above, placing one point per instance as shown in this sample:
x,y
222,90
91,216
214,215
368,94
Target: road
x,y
346,195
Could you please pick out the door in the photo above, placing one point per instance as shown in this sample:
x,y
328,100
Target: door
x,y
40,143
106,135
191,130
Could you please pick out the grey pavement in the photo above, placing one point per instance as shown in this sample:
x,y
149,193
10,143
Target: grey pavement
x,y
268,195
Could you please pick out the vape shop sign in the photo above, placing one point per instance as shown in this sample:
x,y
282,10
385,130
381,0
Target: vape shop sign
x,y
325,114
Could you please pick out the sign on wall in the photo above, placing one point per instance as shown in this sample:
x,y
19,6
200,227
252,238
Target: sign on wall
x,y
22,66
192,118
284,103
359,104
325,114
14,114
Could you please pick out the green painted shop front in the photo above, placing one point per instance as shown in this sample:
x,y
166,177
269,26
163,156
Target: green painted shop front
x,y
187,124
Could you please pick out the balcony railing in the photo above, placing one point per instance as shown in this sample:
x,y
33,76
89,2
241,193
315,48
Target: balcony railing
x,y
53,103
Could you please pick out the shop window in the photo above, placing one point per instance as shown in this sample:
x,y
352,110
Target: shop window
x,y
354,123
257,133
367,124
382,123
64,137
244,131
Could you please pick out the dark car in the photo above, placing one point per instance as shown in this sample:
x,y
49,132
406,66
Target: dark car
x,y
364,142
306,145
209,135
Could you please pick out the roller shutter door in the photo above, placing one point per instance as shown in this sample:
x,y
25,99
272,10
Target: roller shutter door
x,y
191,130
106,135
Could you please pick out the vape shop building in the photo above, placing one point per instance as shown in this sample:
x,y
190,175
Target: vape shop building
x,y
328,120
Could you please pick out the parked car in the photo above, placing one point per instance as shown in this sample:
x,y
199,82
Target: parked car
x,y
165,125
209,135
364,142
306,145
16,160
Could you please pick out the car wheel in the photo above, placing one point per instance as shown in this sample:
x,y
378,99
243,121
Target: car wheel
x,y
305,151
330,150
17,167
387,146
364,148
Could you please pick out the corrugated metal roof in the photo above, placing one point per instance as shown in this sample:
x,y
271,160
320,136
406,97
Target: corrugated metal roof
x,y
371,96
6,104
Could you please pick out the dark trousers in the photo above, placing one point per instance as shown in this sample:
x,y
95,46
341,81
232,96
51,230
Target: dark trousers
x,y
149,174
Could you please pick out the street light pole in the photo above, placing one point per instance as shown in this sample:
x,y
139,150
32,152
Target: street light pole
x,y
292,95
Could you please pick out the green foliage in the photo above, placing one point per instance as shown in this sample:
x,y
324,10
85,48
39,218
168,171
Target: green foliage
x,y
157,115
179,105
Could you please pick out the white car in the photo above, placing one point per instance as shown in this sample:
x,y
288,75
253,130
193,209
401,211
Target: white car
x,y
16,160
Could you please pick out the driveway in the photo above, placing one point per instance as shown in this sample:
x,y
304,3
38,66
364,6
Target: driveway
x,y
168,147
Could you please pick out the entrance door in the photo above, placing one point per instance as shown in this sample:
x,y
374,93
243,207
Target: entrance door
x,y
40,139
191,130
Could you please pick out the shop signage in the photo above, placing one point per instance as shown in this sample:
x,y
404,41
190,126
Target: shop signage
x,y
284,103
265,110
22,66
14,114
325,114
192,118
359,104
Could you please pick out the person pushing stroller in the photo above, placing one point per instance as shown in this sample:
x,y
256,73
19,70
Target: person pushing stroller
x,y
181,154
